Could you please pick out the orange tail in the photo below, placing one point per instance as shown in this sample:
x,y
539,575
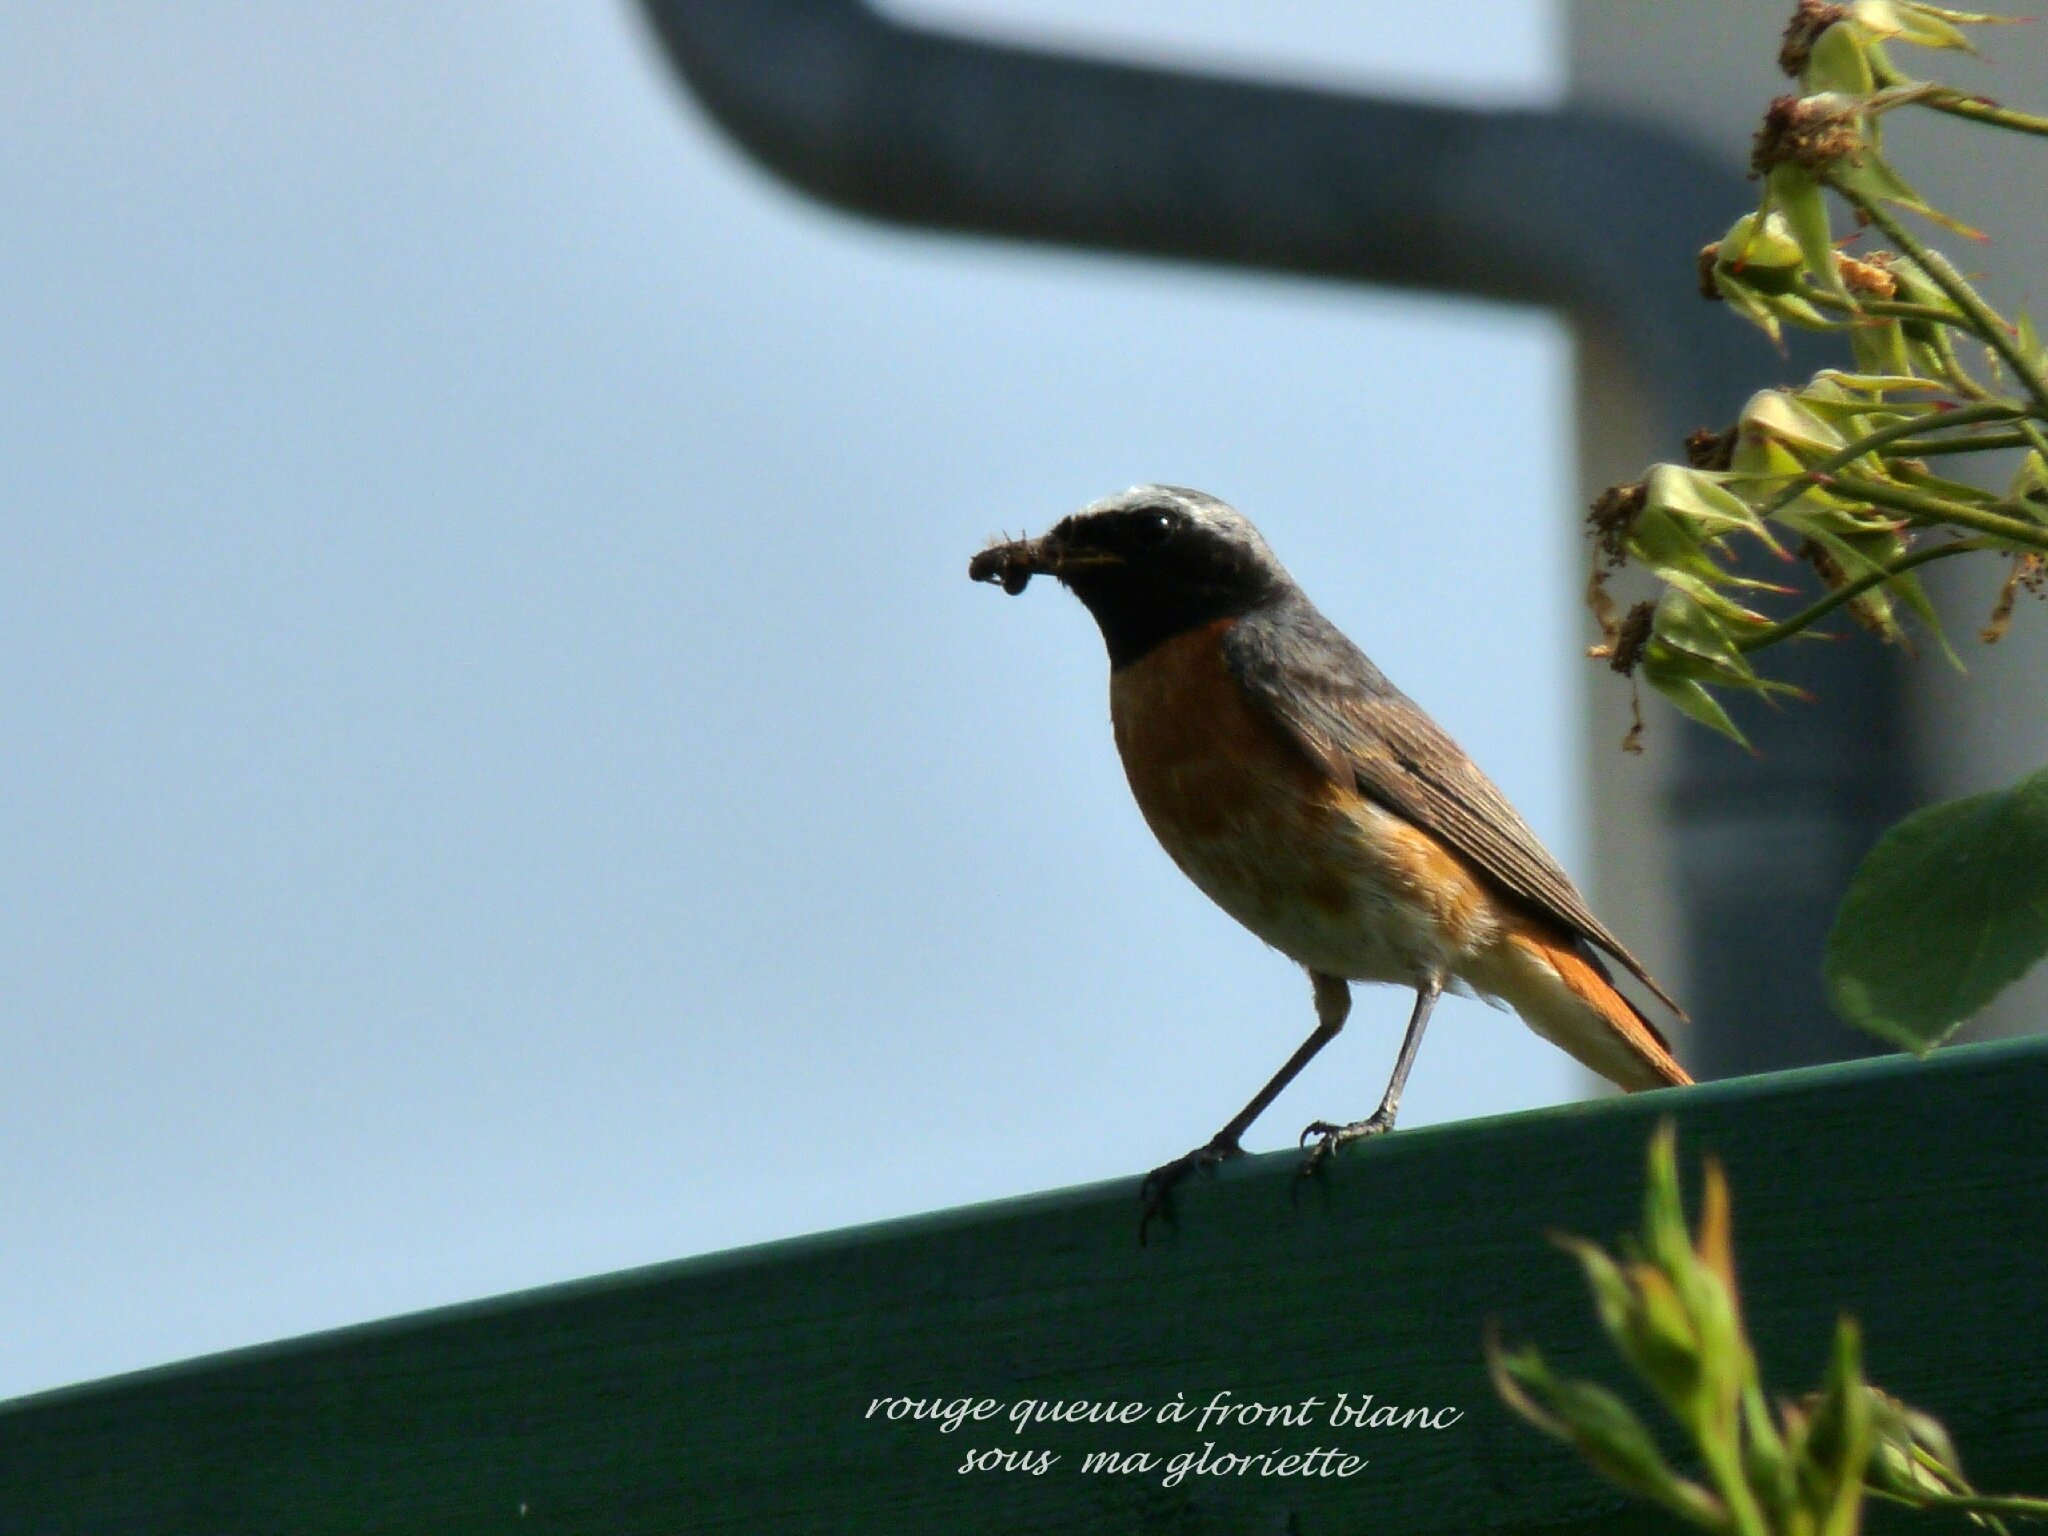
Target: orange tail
x,y
1562,991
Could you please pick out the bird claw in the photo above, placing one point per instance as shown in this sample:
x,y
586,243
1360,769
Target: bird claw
x,y
1330,1138
1155,1194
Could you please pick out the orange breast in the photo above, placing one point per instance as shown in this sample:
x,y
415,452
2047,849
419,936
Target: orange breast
x,y
1307,864
1201,759
1248,817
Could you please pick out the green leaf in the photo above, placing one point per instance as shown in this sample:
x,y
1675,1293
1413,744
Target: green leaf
x,y
1612,1297
1690,696
1908,586
1745,302
1843,1434
1718,605
1698,498
1880,347
1772,415
1915,1459
1916,287
1974,18
1928,25
1855,415
1662,543
1871,178
2029,484
1687,625
1837,63
1618,1445
1866,554
1665,1240
2029,341
1869,383
1949,909
1793,306
1665,1347
1757,271
1796,195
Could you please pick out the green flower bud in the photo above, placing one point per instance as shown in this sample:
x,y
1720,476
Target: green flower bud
x,y
1760,252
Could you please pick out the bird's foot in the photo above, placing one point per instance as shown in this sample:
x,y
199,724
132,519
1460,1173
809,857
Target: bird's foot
x,y
1329,1138
1155,1195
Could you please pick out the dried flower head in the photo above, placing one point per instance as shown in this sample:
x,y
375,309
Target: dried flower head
x,y
1871,277
1611,518
1632,639
1710,450
2029,572
1809,131
1809,20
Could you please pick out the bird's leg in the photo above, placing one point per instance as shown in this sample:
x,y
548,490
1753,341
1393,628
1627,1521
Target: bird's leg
x,y
1331,1137
1333,1005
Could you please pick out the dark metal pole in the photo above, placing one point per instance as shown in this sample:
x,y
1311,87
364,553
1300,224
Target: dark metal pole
x,y
1589,214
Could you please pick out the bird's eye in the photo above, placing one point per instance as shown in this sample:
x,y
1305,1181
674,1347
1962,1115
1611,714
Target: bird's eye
x,y
1155,528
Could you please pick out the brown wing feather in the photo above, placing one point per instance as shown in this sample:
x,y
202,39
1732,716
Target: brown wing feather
x,y
1344,713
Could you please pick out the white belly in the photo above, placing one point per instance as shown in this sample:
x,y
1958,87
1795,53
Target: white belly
x,y
1330,896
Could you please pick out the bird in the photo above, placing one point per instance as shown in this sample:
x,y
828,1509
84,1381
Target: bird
x,y
1320,807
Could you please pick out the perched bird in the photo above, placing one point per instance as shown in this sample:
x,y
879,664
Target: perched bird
x,y
1319,806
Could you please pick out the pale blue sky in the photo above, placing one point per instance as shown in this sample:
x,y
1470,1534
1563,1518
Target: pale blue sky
x,y
507,778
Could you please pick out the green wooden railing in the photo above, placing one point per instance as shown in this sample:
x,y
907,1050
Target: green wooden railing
x,y
733,1392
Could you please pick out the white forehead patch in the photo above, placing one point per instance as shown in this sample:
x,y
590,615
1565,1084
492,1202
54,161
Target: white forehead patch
x,y
1191,502
1198,506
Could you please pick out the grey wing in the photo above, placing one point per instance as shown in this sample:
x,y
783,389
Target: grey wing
x,y
1341,710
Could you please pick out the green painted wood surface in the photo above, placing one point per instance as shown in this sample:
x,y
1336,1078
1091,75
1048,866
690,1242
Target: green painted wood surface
x,y
728,1393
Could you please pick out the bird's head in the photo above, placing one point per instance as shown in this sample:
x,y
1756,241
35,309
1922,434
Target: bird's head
x,y
1151,563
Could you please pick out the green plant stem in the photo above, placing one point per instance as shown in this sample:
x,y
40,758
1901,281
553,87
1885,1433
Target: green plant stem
x,y
1934,510
1959,377
1946,98
1990,328
1983,442
1899,309
1807,617
1942,421
1980,110
1973,1503
1919,477
1932,421
1724,1465
2032,432
1884,309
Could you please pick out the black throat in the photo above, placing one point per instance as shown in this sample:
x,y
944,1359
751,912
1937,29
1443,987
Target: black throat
x,y
1138,612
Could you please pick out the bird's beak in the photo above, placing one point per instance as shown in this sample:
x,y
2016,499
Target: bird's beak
x,y
1013,562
